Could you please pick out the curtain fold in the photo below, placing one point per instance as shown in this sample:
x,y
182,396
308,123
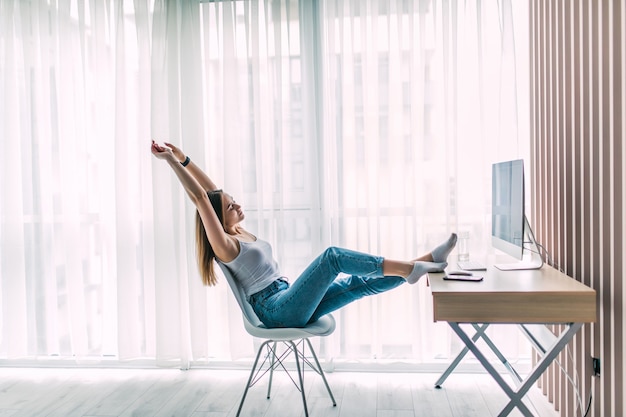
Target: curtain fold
x,y
365,124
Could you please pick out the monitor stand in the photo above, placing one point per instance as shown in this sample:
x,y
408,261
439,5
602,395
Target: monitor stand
x,y
534,261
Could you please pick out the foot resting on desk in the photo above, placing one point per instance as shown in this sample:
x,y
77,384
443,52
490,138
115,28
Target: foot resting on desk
x,y
441,252
420,268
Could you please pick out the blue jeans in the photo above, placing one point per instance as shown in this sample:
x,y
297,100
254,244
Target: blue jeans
x,y
318,291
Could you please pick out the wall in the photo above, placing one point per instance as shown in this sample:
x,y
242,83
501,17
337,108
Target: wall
x,y
578,160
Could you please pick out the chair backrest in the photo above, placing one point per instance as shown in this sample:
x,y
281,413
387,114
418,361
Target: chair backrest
x,y
250,318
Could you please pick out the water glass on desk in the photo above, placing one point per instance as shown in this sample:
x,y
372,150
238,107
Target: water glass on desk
x,y
463,247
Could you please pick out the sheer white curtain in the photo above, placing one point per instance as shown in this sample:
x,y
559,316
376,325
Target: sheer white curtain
x,y
419,99
365,124
96,255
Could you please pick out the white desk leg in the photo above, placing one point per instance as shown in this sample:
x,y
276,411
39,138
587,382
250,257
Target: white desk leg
x,y
480,330
480,334
516,397
562,340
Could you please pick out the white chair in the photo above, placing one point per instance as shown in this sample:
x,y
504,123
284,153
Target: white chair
x,y
295,339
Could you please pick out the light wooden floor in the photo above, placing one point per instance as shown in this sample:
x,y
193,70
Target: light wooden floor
x,y
216,393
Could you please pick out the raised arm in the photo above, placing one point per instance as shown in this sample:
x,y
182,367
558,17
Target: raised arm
x,y
200,176
224,245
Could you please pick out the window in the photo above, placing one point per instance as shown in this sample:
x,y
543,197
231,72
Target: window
x,y
372,127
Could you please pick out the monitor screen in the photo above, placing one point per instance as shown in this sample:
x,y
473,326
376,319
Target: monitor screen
x,y
507,207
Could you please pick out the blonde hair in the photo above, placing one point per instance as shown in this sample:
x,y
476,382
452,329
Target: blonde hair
x,y
204,251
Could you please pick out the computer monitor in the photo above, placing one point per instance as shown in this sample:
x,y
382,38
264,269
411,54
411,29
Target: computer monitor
x,y
510,230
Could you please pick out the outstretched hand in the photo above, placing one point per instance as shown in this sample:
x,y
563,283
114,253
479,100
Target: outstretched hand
x,y
161,152
179,154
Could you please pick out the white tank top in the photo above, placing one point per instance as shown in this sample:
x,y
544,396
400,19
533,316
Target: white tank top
x,y
254,267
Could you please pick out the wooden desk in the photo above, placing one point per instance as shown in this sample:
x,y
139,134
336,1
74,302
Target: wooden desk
x,y
534,296
525,298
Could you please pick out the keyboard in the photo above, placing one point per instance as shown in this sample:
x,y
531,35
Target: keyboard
x,y
471,266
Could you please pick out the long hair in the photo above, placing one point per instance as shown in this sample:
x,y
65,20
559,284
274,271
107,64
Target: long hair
x,y
204,250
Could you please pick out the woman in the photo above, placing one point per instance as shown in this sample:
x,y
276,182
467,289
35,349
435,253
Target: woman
x,y
318,291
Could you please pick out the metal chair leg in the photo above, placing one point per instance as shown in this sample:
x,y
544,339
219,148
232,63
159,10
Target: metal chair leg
x,y
272,362
300,376
256,361
321,372
275,360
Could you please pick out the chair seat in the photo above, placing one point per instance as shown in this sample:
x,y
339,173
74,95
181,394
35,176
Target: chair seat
x,y
322,327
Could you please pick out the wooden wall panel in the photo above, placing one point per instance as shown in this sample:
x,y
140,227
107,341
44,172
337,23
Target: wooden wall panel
x,y
578,157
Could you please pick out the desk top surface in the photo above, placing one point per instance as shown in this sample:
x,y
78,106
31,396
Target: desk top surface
x,y
528,296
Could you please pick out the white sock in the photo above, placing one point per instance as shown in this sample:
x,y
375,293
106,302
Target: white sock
x,y
441,252
420,268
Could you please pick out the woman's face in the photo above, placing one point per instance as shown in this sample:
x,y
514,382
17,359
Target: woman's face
x,y
233,213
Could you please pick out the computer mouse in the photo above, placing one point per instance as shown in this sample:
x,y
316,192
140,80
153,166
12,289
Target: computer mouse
x,y
462,273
